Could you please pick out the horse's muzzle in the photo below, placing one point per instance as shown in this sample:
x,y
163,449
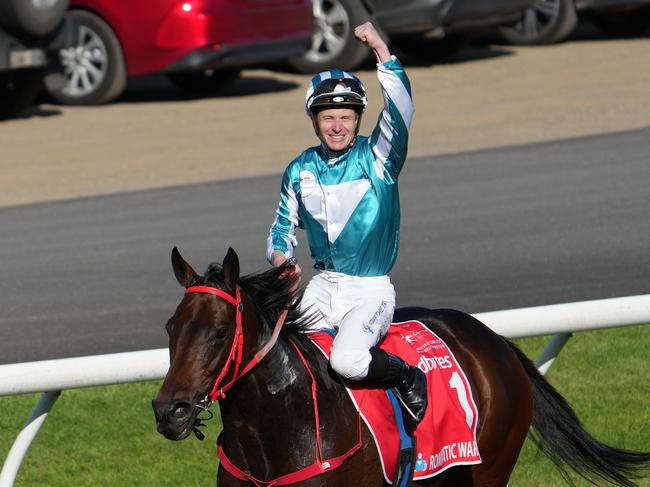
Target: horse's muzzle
x,y
174,420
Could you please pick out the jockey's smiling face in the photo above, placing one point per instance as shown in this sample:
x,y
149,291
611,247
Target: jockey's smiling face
x,y
336,127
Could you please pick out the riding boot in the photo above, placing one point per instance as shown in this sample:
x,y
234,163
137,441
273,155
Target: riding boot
x,y
408,383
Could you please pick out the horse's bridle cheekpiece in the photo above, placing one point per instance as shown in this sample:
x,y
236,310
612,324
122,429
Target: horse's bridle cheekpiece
x,y
218,391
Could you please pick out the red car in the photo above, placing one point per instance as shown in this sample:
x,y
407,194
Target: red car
x,y
199,44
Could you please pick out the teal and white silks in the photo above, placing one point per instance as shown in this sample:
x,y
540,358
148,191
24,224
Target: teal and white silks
x,y
349,206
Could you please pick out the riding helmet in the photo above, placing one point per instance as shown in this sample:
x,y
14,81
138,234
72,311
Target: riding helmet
x,y
335,89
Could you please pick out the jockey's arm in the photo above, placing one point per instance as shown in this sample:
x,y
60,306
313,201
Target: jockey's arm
x,y
389,139
281,240
278,258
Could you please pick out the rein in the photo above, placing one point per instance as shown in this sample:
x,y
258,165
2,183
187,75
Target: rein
x,y
218,391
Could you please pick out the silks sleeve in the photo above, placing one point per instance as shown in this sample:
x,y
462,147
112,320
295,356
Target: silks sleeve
x,y
282,234
389,139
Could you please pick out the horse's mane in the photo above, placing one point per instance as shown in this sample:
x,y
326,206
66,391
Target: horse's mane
x,y
271,293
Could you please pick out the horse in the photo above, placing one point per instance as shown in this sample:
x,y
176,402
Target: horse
x,y
248,332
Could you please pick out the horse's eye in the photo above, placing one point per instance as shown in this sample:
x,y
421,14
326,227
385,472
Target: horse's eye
x,y
220,333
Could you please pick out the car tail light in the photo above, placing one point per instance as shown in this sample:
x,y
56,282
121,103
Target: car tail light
x,y
185,25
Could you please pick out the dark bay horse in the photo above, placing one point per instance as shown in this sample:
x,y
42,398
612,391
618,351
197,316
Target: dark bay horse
x,y
225,343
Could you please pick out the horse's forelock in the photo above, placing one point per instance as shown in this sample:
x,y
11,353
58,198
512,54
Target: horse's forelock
x,y
213,275
270,290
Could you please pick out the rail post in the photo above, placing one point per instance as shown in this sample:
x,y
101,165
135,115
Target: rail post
x,y
26,436
552,350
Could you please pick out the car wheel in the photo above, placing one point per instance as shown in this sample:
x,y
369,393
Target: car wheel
x,y
31,17
204,82
94,68
333,42
420,48
630,23
18,90
546,22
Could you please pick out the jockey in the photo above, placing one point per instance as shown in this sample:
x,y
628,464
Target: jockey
x,y
344,194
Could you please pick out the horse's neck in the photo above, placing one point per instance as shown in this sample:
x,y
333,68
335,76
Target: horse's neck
x,y
273,408
280,378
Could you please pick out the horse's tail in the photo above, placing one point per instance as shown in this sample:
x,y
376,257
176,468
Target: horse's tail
x,y
558,433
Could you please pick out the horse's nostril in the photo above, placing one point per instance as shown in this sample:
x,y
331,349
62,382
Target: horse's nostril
x,y
181,410
175,412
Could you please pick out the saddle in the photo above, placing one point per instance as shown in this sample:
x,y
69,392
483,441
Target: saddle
x,y
447,434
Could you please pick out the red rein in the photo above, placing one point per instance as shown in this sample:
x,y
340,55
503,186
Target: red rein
x,y
218,392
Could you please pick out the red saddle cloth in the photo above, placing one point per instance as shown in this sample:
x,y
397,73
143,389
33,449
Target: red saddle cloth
x,y
447,434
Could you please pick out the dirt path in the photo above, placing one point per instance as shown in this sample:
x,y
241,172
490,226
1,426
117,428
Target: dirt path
x,y
156,138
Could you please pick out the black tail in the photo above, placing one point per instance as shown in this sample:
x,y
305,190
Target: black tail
x,y
558,433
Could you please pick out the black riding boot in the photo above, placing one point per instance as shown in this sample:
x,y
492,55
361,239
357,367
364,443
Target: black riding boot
x,y
408,383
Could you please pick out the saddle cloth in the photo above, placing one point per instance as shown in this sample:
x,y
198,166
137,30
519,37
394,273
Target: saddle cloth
x,y
447,434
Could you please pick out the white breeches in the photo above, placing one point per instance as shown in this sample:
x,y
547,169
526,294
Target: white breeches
x,y
359,308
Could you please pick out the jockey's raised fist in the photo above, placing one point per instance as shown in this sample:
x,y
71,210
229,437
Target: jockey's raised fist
x,y
367,34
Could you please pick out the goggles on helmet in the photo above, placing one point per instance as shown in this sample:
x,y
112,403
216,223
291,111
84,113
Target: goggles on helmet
x,y
336,89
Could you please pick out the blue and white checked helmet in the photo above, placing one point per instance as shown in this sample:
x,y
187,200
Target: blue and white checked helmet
x,y
335,89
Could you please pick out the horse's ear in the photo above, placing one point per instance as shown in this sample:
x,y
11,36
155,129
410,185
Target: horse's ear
x,y
231,269
182,270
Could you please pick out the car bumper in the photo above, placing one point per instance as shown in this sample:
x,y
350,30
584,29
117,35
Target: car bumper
x,y
35,52
610,4
417,16
67,35
427,15
240,55
210,33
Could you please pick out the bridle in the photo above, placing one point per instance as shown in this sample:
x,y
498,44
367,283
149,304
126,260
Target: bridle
x,y
236,350
321,465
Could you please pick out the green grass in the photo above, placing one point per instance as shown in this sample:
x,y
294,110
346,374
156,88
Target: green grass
x,y
106,435
605,376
